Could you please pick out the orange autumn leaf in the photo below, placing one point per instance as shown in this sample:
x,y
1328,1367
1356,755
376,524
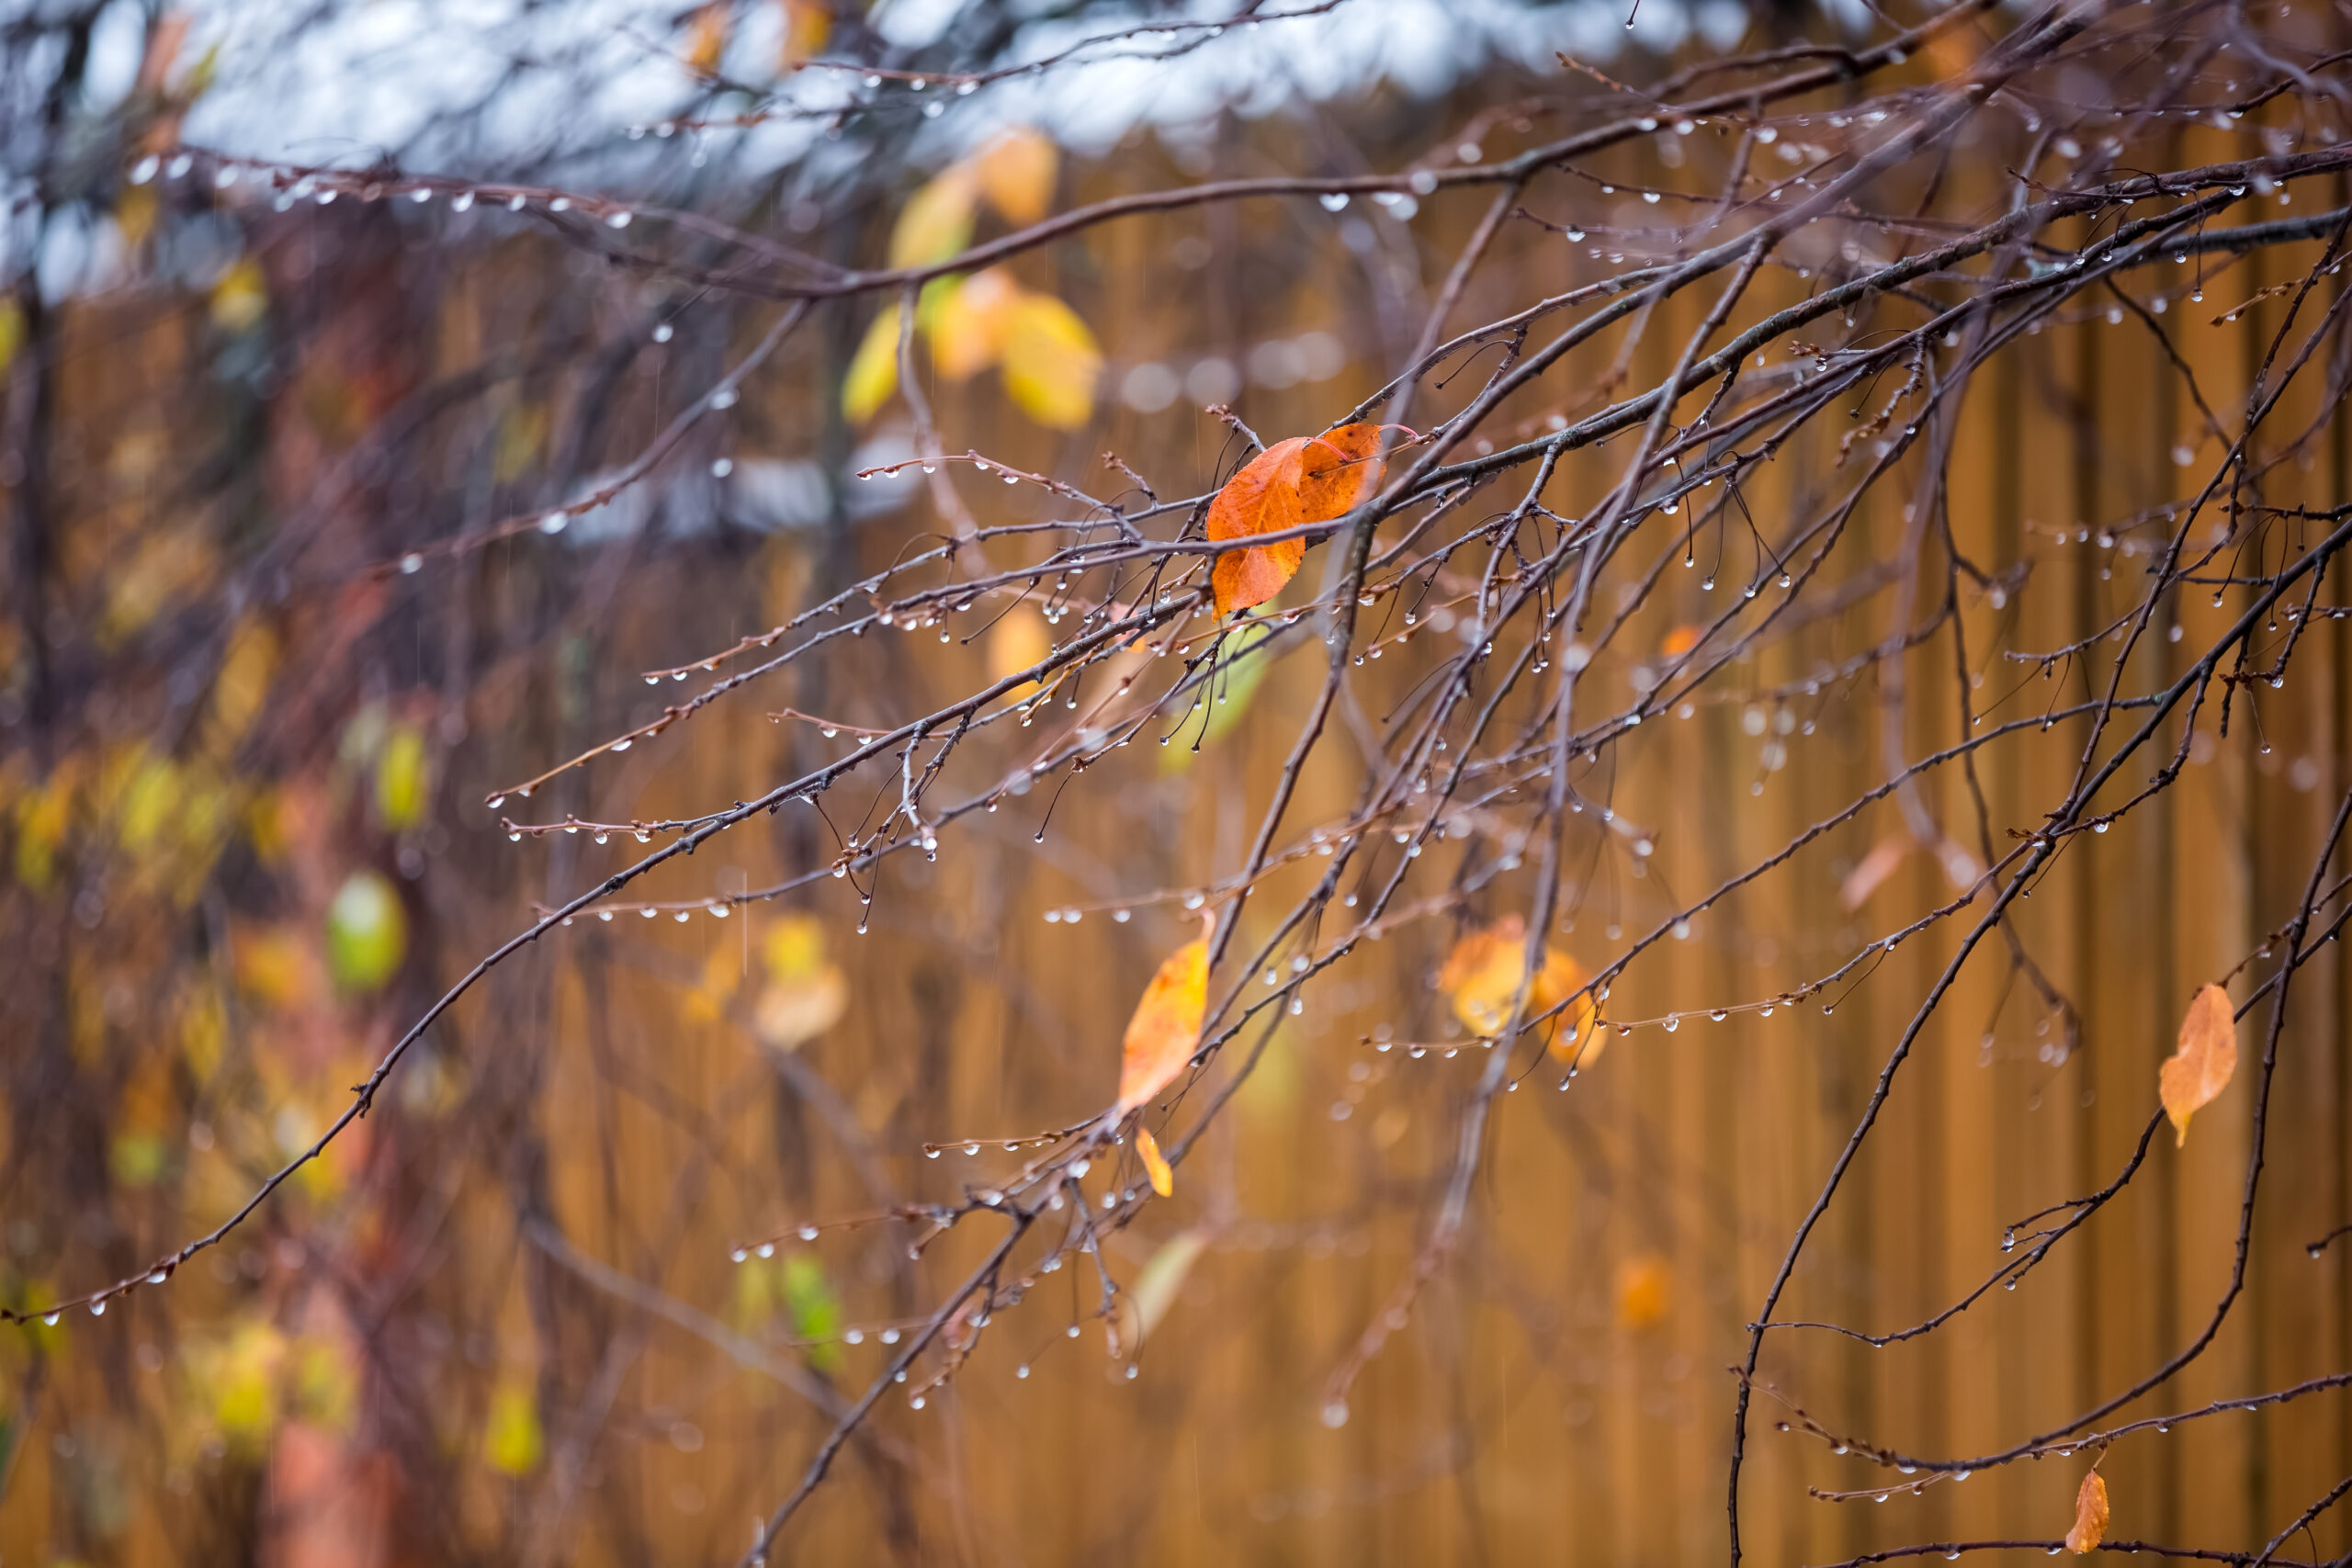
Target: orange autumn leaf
x,y
1481,976
1155,1164
1166,1027
2090,1515
1679,641
1307,478
2193,1075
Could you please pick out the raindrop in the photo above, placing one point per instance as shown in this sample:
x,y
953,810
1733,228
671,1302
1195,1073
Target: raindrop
x,y
1333,201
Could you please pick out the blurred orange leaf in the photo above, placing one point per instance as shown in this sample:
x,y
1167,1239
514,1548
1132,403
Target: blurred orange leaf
x,y
968,327
1016,173
806,24
1644,1291
1679,641
1051,361
936,223
2090,1514
1886,856
1166,1027
707,38
1307,478
1155,1164
2196,1074
1481,976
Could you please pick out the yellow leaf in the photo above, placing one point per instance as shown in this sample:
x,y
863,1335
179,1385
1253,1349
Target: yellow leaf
x,y
967,326
522,428
12,330
806,24
2090,1515
402,781
794,948
936,223
1644,1291
2193,1075
1481,976
1155,1164
240,296
511,1441
1166,1027
873,370
1051,362
1307,478
1017,171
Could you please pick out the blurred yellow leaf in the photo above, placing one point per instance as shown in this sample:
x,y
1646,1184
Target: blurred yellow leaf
x,y
135,214
238,1380
43,814
1644,1291
242,684
521,430
326,1383
1155,1164
1145,1303
1017,171
147,802
137,1160
794,947
806,24
402,779
204,1029
1051,362
1166,1027
873,370
2196,1074
241,297
12,330
2090,1515
968,328
936,223
511,1441
366,932
1481,976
